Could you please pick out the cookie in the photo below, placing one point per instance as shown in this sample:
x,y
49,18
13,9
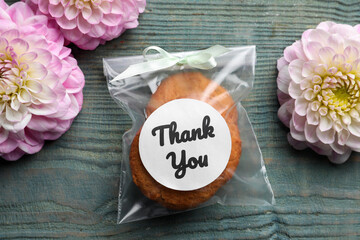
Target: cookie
x,y
187,85
196,86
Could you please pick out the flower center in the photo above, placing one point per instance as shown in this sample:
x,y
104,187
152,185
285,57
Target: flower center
x,y
335,94
341,94
7,87
13,77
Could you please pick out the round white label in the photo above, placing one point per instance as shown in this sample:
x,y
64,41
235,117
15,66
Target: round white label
x,y
185,144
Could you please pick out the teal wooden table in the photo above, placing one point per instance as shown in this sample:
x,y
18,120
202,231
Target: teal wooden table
x,y
70,188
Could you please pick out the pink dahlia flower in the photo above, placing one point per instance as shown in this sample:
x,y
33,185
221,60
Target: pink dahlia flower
x,y
319,90
88,23
40,83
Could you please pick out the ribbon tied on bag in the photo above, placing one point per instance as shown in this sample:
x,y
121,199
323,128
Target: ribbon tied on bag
x,y
204,59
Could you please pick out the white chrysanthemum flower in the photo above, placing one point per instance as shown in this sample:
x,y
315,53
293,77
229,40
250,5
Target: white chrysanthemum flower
x,y
319,90
40,82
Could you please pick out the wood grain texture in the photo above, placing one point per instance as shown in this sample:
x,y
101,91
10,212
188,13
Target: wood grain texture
x,y
70,188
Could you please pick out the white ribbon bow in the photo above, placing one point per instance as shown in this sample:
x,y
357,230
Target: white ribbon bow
x,y
204,59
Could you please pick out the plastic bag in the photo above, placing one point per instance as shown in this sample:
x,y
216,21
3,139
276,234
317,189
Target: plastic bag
x,y
234,71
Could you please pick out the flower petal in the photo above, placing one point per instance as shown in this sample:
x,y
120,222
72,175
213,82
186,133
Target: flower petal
x,y
111,20
34,86
54,2
354,128
8,146
326,54
336,42
46,95
282,97
300,51
88,43
37,71
297,135
65,23
95,17
73,35
105,7
338,60
14,155
283,80
298,145
43,109
295,70
308,68
339,158
339,149
3,44
61,127
312,50
83,25
28,57
325,25
321,148
343,137
23,123
71,12
44,56
19,45
86,13
73,83
351,53
10,34
97,31
3,135
73,110
30,149
343,30
301,106
318,35
43,6
299,122
294,90
290,54
327,137
281,62
15,104
12,115
353,142
321,69
24,96
310,133
42,124
325,123
285,112
56,10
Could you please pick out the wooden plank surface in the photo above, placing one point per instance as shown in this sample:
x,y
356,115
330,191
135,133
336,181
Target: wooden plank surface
x,y
70,188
